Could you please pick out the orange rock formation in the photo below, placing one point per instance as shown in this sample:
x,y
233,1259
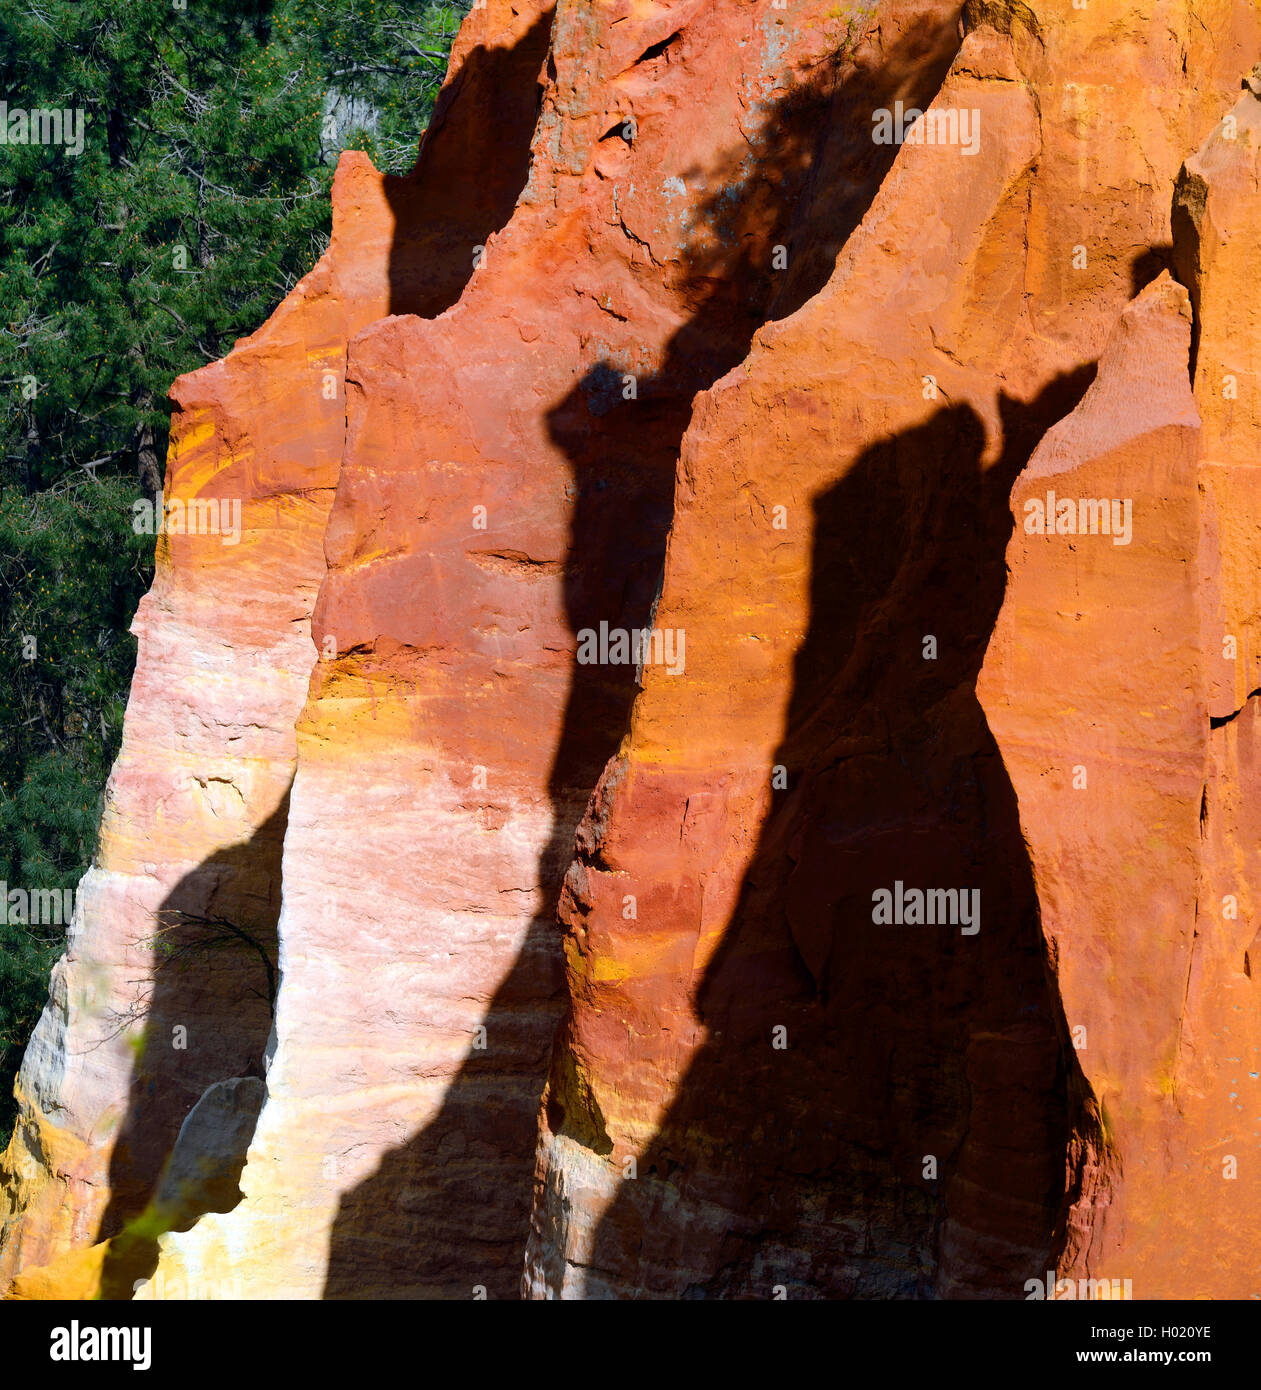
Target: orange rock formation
x,y
582,976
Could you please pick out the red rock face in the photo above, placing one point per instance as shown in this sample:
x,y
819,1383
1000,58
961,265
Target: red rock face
x,y
813,1099
507,487
1119,687
614,977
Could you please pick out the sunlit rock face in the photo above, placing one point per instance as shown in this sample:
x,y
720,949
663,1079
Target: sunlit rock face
x,y
195,808
1121,687
507,488
641,794
814,1100
168,982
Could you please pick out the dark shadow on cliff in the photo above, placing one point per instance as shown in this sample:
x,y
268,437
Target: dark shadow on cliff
x,y
470,170
427,1223
206,1017
1147,265
805,1166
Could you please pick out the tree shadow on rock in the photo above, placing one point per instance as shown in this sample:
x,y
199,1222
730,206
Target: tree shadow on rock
x,y
206,1017
470,170
907,1134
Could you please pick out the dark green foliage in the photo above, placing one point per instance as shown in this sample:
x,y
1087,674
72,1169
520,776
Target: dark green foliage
x,y
198,201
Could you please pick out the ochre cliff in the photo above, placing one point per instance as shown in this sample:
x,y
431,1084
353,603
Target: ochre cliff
x,y
1118,685
197,804
928,1125
578,986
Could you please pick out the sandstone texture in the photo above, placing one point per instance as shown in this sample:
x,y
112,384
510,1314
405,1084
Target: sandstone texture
x,y
198,802
436,948
1119,686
